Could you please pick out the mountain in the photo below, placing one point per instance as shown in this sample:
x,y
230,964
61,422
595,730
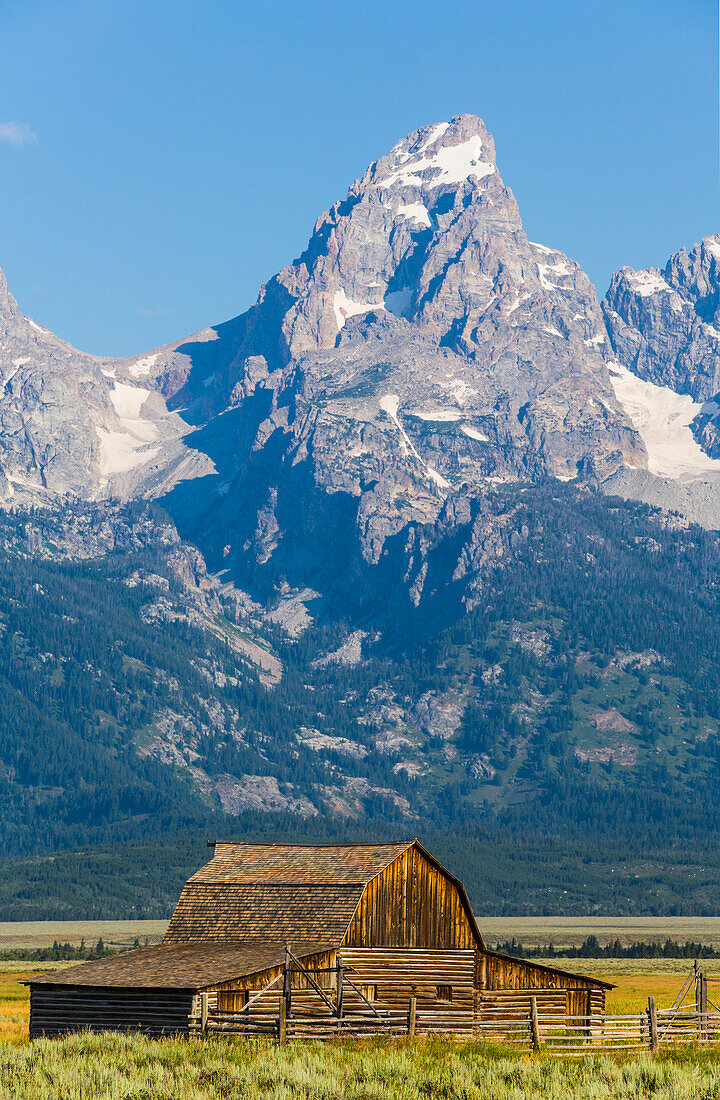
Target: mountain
x,y
424,539
664,329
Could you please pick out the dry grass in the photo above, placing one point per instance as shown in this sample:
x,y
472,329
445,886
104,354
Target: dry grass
x,y
116,1067
571,931
42,933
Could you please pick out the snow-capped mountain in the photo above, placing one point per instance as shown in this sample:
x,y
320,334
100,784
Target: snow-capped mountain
x,y
420,346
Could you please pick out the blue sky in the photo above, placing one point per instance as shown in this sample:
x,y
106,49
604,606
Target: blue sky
x,y
159,159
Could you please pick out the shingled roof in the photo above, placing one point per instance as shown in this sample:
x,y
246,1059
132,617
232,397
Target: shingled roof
x,y
339,864
278,892
237,913
189,966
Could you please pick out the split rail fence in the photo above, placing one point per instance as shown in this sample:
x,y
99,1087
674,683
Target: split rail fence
x,y
281,1012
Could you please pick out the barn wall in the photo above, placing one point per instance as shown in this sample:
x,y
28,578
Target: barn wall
x,y
393,976
57,1010
497,972
411,904
231,994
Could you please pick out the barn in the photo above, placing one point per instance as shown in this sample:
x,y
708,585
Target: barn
x,y
312,934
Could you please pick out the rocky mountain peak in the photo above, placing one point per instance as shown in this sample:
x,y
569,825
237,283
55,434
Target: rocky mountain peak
x,y
7,302
439,155
665,325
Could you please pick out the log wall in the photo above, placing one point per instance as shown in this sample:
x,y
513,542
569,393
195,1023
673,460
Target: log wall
x,y
394,976
57,1010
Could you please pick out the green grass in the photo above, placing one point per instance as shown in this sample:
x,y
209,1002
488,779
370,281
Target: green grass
x,y
115,1067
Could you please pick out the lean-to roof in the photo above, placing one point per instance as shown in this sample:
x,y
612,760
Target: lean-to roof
x,y
176,966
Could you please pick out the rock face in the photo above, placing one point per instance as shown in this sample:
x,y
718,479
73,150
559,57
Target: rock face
x,y
421,351
665,326
421,343
74,424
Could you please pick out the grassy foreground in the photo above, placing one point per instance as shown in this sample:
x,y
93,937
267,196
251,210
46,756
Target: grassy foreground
x,y
116,1067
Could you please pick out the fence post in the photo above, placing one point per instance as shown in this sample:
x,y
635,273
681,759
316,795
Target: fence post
x,y
282,1022
703,1005
412,1017
534,1025
339,978
204,1006
287,979
652,1020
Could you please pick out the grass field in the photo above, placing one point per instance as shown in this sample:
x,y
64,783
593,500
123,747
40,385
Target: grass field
x,y
530,931
115,933
572,931
114,1067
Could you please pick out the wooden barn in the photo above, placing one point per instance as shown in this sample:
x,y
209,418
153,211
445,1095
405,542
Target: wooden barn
x,y
310,939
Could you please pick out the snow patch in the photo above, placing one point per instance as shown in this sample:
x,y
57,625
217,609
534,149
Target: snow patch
x,y
437,478
440,416
662,418
36,326
544,249
414,211
473,433
552,331
518,301
713,247
598,339
555,269
123,450
345,307
21,362
390,404
128,400
451,163
647,283
142,366
119,452
8,380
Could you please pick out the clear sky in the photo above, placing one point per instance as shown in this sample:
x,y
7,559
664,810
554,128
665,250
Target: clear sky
x,y
159,159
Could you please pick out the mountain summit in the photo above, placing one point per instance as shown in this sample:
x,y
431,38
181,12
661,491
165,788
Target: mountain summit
x,y
420,346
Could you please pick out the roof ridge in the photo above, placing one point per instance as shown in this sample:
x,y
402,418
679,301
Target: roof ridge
x,y
295,844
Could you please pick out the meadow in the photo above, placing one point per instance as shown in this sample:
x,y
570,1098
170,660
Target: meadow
x,y
116,1067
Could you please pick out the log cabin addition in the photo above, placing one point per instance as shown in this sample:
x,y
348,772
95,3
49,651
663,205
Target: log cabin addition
x,y
309,933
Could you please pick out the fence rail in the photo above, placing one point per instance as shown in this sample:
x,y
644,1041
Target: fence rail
x,y
554,1034
524,1020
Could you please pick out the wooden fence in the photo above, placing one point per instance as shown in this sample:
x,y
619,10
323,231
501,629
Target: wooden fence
x,y
650,1030
524,1020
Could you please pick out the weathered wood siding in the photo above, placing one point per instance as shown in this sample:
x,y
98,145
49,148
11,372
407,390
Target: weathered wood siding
x,y
410,904
501,972
231,995
57,1010
397,975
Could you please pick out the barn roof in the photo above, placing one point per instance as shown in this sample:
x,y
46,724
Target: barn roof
x,y
266,892
294,864
261,913
176,966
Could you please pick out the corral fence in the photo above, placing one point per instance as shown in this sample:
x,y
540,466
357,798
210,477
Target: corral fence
x,y
282,1013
